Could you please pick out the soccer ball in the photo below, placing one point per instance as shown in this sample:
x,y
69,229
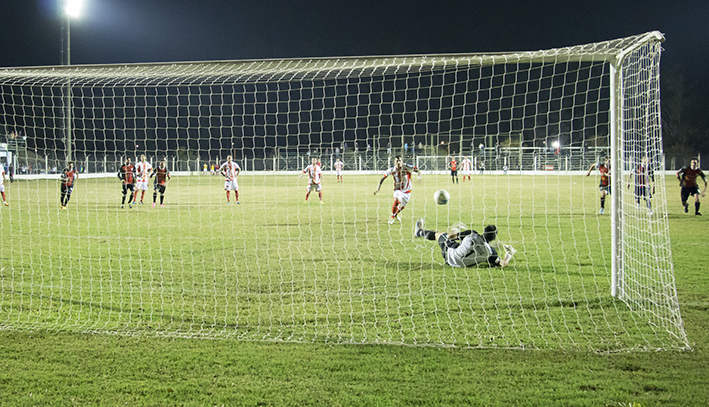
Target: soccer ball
x,y
441,197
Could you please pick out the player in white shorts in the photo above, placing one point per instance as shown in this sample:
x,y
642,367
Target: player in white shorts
x,y
2,186
339,165
402,186
314,178
142,173
230,170
467,166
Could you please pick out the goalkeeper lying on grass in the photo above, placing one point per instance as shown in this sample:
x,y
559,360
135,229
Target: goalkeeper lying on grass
x,y
467,248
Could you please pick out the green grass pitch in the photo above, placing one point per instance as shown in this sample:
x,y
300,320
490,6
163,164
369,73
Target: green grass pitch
x,y
277,268
44,365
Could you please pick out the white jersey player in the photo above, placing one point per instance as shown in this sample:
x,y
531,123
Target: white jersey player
x,y
339,165
2,186
314,179
142,173
230,170
467,167
401,173
467,248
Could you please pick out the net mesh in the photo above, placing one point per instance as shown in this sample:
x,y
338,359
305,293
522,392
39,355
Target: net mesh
x,y
272,263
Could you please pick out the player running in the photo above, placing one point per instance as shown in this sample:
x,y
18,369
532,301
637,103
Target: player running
x,y
142,171
402,186
314,179
162,177
453,165
230,170
467,166
339,165
605,185
67,186
467,248
688,181
2,186
644,178
127,176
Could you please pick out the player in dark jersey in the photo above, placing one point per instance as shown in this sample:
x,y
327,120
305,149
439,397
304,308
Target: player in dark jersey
x,y
605,185
467,248
68,177
453,165
127,176
644,180
688,181
162,177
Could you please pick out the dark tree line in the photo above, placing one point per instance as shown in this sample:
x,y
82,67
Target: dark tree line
x,y
685,116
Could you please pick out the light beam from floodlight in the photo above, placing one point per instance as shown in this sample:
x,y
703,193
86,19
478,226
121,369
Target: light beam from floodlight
x,y
72,9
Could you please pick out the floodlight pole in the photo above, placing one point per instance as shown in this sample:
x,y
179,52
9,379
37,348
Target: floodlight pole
x,y
66,60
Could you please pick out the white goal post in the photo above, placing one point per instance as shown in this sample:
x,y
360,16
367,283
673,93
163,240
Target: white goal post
x,y
277,268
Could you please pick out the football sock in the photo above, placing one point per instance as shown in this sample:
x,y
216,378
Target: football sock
x,y
142,195
155,196
236,195
162,198
428,234
123,201
395,208
696,207
228,198
130,198
3,196
603,201
307,195
320,195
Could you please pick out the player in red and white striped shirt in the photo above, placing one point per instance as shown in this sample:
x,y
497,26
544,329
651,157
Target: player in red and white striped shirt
x,y
339,165
401,173
467,166
314,178
2,186
230,170
142,173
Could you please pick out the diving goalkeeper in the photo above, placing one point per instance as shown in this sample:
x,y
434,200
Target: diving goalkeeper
x,y
467,248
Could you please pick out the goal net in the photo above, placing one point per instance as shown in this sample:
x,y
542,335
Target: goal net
x,y
283,260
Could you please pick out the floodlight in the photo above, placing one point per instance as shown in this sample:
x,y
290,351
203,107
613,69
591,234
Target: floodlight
x,y
555,144
72,8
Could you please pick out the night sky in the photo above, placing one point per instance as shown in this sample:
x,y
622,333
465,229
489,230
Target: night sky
x,y
126,31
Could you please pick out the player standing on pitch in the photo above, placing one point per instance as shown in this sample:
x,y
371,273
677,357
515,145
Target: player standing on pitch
x,y
67,186
339,165
230,170
402,186
688,181
162,177
605,185
453,165
314,179
467,166
127,176
467,248
2,186
142,171
644,178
